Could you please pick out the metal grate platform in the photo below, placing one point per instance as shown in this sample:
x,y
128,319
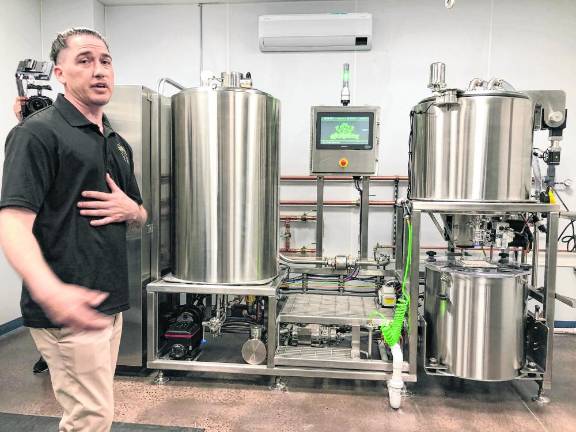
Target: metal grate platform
x,y
326,357
331,309
318,353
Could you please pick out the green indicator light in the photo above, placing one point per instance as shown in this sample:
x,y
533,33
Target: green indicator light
x,y
346,76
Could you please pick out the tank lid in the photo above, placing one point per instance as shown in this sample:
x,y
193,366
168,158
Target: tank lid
x,y
445,96
480,268
229,79
481,93
502,93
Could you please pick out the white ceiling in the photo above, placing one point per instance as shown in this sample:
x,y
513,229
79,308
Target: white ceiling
x,y
166,2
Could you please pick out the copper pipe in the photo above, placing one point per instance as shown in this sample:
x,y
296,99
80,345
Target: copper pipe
x,y
297,218
341,178
299,251
335,203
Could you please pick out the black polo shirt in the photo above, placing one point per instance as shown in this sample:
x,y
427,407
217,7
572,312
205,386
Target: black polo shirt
x,y
51,158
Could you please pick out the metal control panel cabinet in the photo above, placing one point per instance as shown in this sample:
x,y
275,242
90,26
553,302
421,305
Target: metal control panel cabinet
x,y
344,140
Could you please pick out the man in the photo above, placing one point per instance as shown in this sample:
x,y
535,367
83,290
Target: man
x,y
68,192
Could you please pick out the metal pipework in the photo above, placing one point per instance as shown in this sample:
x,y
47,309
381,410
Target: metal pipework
x,y
568,215
312,261
476,84
535,257
305,203
437,80
230,79
303,251
297,218
338,262
499,84
342,178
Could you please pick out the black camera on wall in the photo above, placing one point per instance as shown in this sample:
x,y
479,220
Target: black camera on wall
x,y
27,70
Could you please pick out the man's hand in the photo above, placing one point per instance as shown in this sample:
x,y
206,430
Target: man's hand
x,y
73,306
111,207
17,107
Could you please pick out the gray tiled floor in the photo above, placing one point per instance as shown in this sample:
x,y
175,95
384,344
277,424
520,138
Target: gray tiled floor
x,y
247,404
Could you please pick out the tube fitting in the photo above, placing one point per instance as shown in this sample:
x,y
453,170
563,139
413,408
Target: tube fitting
x,y
396,384
340,262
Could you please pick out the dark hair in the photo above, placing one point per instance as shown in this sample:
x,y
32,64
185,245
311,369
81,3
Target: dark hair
x,y
60,42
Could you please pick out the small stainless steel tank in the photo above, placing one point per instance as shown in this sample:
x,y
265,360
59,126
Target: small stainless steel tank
x,y
474,321
226,168
476,149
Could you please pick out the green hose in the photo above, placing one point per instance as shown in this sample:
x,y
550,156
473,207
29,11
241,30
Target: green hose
x,y
393,330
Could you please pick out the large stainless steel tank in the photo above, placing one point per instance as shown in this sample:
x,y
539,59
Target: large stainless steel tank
x,y
478,149
474,321
226,167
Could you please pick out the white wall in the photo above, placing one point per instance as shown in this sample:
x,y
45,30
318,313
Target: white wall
x,y
99,14
151,42
18,42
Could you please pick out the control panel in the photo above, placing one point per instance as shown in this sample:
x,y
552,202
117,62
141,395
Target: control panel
x,y
344,140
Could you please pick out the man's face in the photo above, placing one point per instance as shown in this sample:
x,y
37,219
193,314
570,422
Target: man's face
x,y
84,67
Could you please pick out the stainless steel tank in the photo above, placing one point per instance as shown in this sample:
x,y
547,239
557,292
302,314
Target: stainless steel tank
x,y
474,321
477,149
226,168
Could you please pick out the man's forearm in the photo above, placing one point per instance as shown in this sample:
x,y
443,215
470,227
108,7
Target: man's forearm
x,y
23,252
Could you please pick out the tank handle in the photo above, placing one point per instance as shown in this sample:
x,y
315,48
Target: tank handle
x,y
445,286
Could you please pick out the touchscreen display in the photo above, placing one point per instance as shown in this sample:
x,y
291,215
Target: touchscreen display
x,y
344,130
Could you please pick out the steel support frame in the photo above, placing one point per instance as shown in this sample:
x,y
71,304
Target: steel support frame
x,y
550,212
319,216
364,217
159,287
549,292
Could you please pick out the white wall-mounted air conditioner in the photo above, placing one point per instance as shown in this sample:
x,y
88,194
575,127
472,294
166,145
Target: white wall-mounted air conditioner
x,y
315,32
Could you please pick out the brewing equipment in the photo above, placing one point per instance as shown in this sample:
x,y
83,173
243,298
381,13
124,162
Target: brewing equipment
x,y
483,317
226,152
477,148
470,163
477,315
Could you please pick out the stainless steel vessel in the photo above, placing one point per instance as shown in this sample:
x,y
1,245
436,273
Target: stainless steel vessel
x,y
475,321
226,167
478,148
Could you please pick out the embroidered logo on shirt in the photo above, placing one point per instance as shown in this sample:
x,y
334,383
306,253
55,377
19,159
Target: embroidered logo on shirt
x,y
123,152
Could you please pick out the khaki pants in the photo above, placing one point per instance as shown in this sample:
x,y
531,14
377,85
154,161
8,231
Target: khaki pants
x,y
82,369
